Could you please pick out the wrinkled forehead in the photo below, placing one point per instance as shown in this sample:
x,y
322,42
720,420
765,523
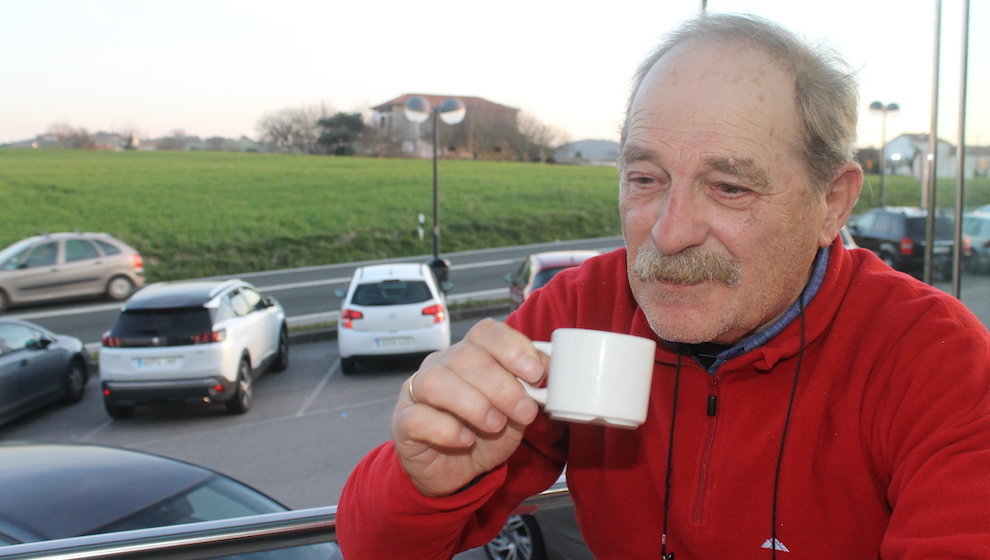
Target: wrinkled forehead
x,y
719,79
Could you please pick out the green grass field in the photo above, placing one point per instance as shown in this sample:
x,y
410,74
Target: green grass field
x,y
194,214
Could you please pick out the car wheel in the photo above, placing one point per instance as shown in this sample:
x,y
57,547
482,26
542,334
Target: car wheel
x,y
117,411
241,401
348,366
519,539
119,287
75,381
281,362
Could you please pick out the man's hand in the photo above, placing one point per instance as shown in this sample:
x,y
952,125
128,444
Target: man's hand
x,y
469,411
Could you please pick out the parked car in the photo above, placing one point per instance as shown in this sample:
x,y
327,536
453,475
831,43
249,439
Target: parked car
x,y
976,225
538,269
897,236
53,491
391,310
192,341
61,266
38,367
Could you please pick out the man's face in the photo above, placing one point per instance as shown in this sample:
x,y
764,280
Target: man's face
x,y
718,211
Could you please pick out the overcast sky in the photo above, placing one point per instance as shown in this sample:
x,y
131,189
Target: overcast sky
x,y
215,67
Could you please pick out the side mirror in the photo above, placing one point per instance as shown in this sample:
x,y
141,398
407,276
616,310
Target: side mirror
x,y
340,292
446,287
510,279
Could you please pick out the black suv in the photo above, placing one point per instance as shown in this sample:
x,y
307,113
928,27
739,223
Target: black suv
x,y
897,236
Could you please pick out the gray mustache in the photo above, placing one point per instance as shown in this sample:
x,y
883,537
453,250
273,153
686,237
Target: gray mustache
x,y
687,267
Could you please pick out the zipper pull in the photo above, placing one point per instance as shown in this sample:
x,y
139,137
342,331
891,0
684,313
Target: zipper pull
x,y
712,405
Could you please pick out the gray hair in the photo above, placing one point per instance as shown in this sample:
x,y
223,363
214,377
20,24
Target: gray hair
x,y
826,93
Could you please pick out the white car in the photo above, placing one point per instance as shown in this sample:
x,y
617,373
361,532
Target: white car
x,y
538,269
192,341
391,309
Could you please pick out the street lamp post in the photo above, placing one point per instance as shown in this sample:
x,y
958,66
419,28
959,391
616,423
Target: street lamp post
x,y
879,107
451,111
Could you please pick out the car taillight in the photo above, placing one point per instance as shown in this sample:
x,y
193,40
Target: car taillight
x,y
348,316
438,312
907,246
138,262
110,341
211,336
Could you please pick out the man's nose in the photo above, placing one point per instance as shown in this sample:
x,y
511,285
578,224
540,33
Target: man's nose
x,y
681,221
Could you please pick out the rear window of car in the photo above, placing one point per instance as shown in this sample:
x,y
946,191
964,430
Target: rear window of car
x,y
944,228
391,292
161,327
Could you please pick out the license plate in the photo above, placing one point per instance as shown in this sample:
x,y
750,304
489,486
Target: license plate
x,y
392,342
155,363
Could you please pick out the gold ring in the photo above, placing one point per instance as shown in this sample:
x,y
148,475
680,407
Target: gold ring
x,y
412,395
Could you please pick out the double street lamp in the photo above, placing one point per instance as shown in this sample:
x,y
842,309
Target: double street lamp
x,y
451,111
879,107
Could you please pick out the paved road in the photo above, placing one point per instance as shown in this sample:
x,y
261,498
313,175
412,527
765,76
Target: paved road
x,y
308,293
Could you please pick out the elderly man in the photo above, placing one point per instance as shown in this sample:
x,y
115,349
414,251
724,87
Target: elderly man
x,y
807,400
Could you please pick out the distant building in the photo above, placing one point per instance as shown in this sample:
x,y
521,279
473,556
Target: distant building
x,y
907,154
489,130
588,152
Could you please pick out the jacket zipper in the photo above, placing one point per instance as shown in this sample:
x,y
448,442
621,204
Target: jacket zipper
x,y
711,409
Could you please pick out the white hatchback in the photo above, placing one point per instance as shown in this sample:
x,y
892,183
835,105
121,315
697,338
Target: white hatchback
x,y
391,309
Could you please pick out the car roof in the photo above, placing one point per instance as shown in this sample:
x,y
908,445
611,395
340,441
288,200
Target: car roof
x,y
562,258
392,271
71,235
63,490
184,293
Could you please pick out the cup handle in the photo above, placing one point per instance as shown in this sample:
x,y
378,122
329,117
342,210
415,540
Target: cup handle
x,y
538,394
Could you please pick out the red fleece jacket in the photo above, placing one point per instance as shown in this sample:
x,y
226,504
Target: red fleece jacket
x,y
887,452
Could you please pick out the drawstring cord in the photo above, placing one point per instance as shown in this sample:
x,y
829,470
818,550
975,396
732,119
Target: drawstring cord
x,y
670,466
783,438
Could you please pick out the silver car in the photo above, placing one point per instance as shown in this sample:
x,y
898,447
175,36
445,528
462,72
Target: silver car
x,y
68,265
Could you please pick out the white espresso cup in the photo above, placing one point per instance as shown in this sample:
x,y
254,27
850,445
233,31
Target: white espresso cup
x,y
596,377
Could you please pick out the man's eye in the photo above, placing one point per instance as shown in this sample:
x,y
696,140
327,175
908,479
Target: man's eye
x,y
733,190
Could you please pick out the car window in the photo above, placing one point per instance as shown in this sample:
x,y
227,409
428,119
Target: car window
x,y
16,337
107,248
544,276
79,249
238,304
218,498
252,298
42,255
944,227
391,292
172,326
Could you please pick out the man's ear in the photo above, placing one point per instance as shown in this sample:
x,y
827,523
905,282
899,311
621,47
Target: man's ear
x,y
840,197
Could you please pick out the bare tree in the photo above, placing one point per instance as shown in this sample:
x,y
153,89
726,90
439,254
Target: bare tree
x,y
537,141
293,130
68,136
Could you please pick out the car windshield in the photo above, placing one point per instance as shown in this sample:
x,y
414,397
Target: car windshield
x,y
544,276
391,292
217,498
944,228
13,251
